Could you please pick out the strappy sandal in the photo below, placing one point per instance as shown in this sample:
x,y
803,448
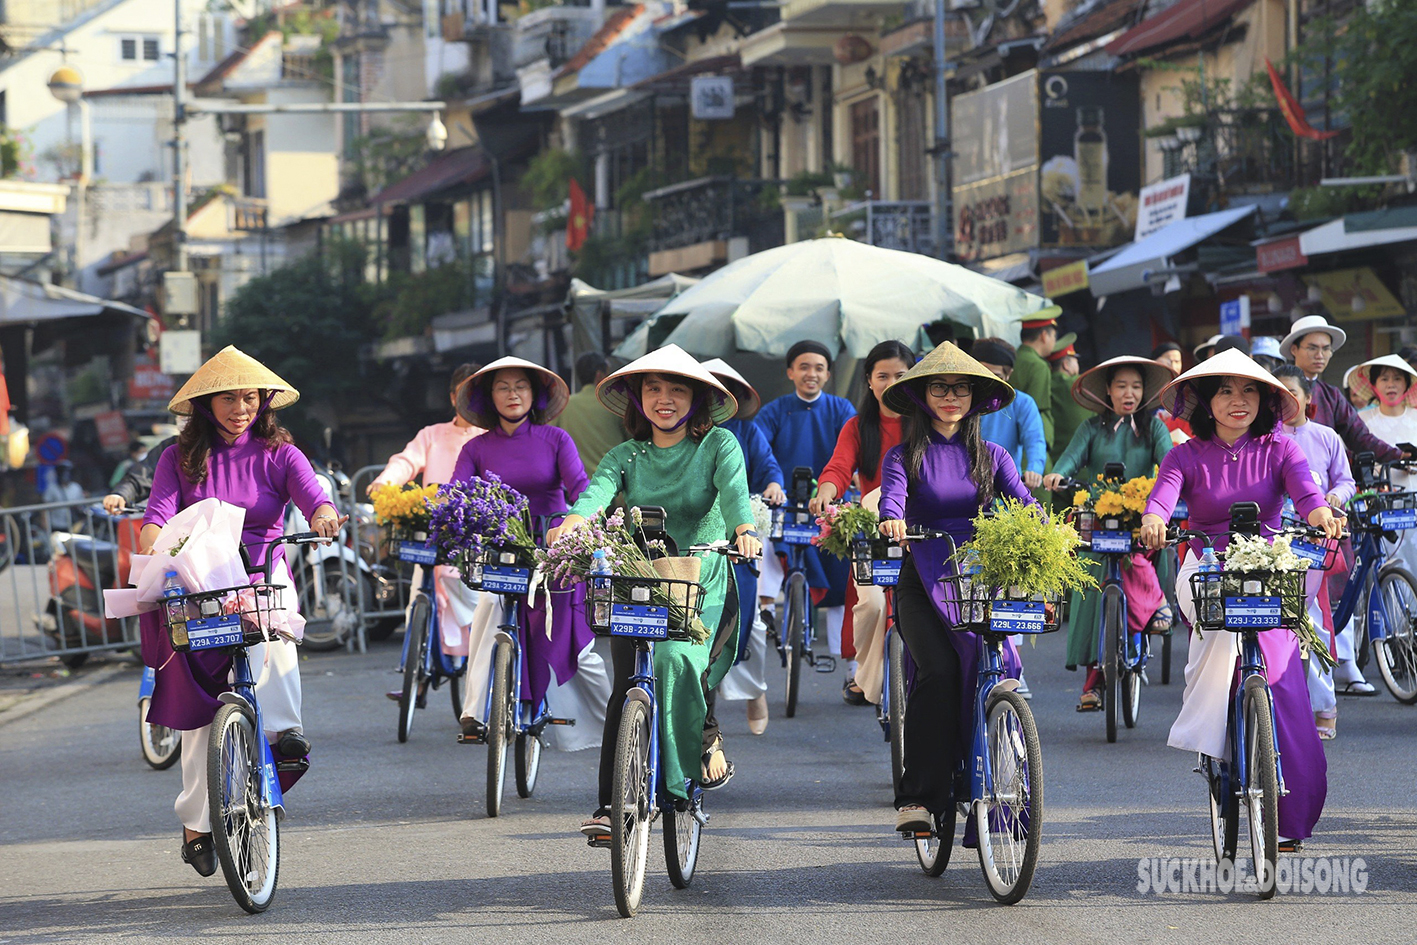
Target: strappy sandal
x,y
1328,727
596,830
1161,621
713,784
1091,701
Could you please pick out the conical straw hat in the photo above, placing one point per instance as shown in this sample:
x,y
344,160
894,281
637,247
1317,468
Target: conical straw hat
x,y
614,391
474,403
1358,377
1090,388
232,369
748,400
990,393
1181,399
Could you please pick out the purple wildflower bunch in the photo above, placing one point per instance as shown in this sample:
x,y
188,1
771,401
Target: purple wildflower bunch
x,y
467,516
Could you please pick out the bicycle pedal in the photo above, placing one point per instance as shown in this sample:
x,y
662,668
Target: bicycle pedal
x,y
599,841
824,664
560,721
293,764
471,739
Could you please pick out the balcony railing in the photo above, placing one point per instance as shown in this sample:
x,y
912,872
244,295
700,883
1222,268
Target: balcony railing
x,y
907,225
1241,150
715,208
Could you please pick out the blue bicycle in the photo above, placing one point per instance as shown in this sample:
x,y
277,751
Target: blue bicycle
x,y
423,664
792,530
1386,590
507,717
243,785
162,746
1004,769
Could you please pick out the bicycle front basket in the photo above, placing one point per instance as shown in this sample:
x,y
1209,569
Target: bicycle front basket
x,y
876,561
1248,600
231,616
647,607
500,570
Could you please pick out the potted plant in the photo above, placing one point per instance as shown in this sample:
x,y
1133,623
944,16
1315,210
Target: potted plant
x,y
1189,127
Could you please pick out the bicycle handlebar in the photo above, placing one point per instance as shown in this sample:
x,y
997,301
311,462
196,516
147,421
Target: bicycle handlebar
x,y
722,548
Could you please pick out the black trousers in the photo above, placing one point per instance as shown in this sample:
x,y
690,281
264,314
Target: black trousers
x,y
622,667
936,727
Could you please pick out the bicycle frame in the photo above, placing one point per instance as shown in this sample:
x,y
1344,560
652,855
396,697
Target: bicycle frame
x,y
1251,665
243,693
510,634
1368,561
642,690
435,661
991,674
1112,577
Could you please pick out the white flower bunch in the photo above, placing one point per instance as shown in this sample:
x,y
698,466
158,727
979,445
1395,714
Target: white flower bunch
x,y
1256,554
762,515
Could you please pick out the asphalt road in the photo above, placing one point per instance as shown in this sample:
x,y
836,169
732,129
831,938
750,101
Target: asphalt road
x,y
389,843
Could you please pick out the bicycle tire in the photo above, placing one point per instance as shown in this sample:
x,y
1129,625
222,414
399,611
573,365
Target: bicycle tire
x,y
1224,810
1166,654
933,853
630,808
413,664
1111,640
896,655
1262,809
1016,759
1362,645
499,723
162,746
682,834
528,755
245,831
795,627
1130,683
1396,654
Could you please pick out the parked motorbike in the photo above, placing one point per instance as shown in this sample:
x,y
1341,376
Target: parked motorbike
x,y
81,567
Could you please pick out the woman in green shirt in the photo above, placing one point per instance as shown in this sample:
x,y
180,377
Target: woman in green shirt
x,y
678,459
1120,391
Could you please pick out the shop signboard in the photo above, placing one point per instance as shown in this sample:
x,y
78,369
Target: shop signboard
x,y
995,138
1090,156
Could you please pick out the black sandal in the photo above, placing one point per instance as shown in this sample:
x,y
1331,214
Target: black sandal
x,y
200,854
715,783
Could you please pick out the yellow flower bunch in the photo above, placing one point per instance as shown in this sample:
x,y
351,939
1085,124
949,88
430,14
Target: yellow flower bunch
x,y
1125,500
1081,498
402,506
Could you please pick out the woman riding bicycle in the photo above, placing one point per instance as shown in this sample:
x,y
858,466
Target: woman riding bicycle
x,y
1120,391
233,450
863,444
515,400
1235,408
940,477
679,460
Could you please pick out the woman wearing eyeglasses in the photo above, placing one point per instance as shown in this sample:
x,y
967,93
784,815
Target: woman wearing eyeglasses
x,y
939,478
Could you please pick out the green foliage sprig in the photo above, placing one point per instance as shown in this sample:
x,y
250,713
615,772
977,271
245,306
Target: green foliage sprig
x,y
1021,546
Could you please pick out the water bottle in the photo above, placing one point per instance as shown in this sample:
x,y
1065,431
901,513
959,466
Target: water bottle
x,y
600,587
176,610
1208,607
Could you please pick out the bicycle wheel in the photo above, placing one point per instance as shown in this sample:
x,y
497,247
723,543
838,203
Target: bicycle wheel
x,y
455,690
1224,809
896,655
631,804
1111,670
682,831
1010,820
794,628
162,746
1166,653
499,725
1129,686
933,852
1262,781
245,831
1397,652
413,663
528,753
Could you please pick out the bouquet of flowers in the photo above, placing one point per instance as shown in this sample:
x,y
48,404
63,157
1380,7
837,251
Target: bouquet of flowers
x,y
840,525
572,556
1121,500
762,514
1248,554
404,509
1025,550
466,516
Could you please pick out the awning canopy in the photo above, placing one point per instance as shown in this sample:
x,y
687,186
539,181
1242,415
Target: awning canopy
x,y
1338,236
1186,20
587,302
23,302
1128,269
461,166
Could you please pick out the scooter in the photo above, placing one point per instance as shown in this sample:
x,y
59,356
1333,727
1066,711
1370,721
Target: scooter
x,y
81,567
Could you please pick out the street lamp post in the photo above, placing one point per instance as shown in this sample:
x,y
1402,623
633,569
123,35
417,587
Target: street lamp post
x,y
67,85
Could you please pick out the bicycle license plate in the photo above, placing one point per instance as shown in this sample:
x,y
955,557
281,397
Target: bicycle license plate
x,y
211,632
1111,543
1315,555
645,621
500,579
1259,613
885,573
1016,616
799,533
1395,520
417,552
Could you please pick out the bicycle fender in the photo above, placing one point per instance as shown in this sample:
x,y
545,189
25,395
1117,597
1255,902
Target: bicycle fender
x,y
638,694
505,637
1007,685
235,698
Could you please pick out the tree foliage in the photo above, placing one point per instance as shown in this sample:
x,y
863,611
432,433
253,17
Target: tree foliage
x,y
1373,52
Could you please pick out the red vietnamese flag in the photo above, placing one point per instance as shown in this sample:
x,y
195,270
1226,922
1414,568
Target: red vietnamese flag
x,y
1293,114
582,214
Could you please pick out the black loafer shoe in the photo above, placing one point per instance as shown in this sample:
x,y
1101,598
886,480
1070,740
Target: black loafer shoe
x,y
293,744
200,854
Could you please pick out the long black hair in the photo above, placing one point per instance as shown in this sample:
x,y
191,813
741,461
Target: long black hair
x,y
194,443
917,439
868,414
1203,421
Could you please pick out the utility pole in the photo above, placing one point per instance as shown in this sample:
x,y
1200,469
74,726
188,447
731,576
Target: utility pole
x,y
179,143
944,225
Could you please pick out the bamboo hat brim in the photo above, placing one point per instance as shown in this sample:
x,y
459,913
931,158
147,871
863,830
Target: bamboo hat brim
x,y
615,391
1358,377
1090,388
748,400
990,393
1180,395
232,369
474,402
